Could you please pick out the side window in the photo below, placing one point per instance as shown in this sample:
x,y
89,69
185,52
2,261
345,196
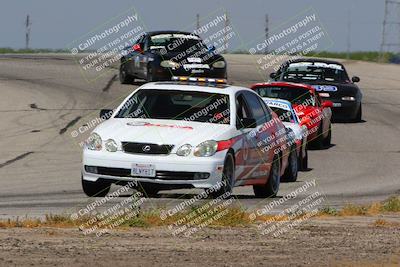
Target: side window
x,y
255,107
318,100
266,109
145,42
242,110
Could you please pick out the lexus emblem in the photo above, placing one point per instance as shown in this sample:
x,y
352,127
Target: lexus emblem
x,y
146,148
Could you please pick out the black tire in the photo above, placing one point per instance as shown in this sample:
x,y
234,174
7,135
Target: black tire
x,y
304,161
148,190
358,117
95,189
292,169
271,188
318,142
228,175
150,75
124,77
328,139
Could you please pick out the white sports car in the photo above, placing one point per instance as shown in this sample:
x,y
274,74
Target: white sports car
x,y
287,114
169,135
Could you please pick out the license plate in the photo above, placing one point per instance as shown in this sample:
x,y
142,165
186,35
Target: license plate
x,y
197,71
336,105
143,170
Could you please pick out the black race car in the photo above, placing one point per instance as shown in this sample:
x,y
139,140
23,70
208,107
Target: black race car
x,y
330,80
159,55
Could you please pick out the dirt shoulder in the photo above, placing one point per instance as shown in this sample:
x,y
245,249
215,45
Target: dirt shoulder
x,y
351,241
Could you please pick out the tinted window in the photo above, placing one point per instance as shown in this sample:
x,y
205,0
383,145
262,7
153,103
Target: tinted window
x,y
176,42
243,110
283,114
255,107
267,110
177,105
293,95
315,71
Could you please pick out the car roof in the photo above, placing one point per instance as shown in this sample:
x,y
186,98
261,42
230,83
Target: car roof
x,y
327,61
284,84
152,33
189,86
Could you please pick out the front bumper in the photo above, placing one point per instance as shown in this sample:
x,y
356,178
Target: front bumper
x,y
344,110
171,169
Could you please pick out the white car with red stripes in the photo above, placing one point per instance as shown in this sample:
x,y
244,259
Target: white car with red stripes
x,y
286,113
169,135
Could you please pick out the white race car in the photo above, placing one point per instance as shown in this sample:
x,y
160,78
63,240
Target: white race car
x,y
169,135
287,114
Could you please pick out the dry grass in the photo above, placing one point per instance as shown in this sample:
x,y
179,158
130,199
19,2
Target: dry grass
x,y
392,204
232,216
386,223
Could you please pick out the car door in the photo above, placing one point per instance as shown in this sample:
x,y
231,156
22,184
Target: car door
x,y
246,138
326,115
135,58
143,57
260,156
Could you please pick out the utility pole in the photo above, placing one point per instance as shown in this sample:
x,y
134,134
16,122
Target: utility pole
x,y
28,24
226,33
388,22
348,34
197,21
266,32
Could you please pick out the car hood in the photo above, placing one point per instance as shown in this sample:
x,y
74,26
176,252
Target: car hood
x,y
154,131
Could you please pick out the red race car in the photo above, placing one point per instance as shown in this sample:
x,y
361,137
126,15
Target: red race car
x,y
312,111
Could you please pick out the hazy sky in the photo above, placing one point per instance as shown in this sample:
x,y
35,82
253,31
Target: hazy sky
x,y
57,23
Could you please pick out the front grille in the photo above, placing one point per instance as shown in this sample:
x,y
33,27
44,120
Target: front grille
x,y
144,148
162,175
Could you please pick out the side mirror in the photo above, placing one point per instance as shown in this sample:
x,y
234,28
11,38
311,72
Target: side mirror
x,y
355,79
327,104
272,75
105,114
137,48
305,121
247,123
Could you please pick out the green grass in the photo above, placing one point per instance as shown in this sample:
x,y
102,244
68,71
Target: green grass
x,y
373,56
8,50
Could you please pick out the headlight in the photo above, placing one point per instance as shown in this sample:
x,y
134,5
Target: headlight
x,y
111,145
206,149
94,142
184,150
349,98
169,64
219,64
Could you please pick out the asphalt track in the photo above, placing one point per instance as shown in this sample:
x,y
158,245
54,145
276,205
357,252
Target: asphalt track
x,y
44,98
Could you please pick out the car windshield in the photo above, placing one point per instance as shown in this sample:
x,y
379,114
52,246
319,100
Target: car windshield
x,y
177,105
283,114
176,42
315,71
292,94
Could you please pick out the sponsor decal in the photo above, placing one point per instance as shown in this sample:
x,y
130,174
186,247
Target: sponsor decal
x,y
158,125
277,104
194,59
325,88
